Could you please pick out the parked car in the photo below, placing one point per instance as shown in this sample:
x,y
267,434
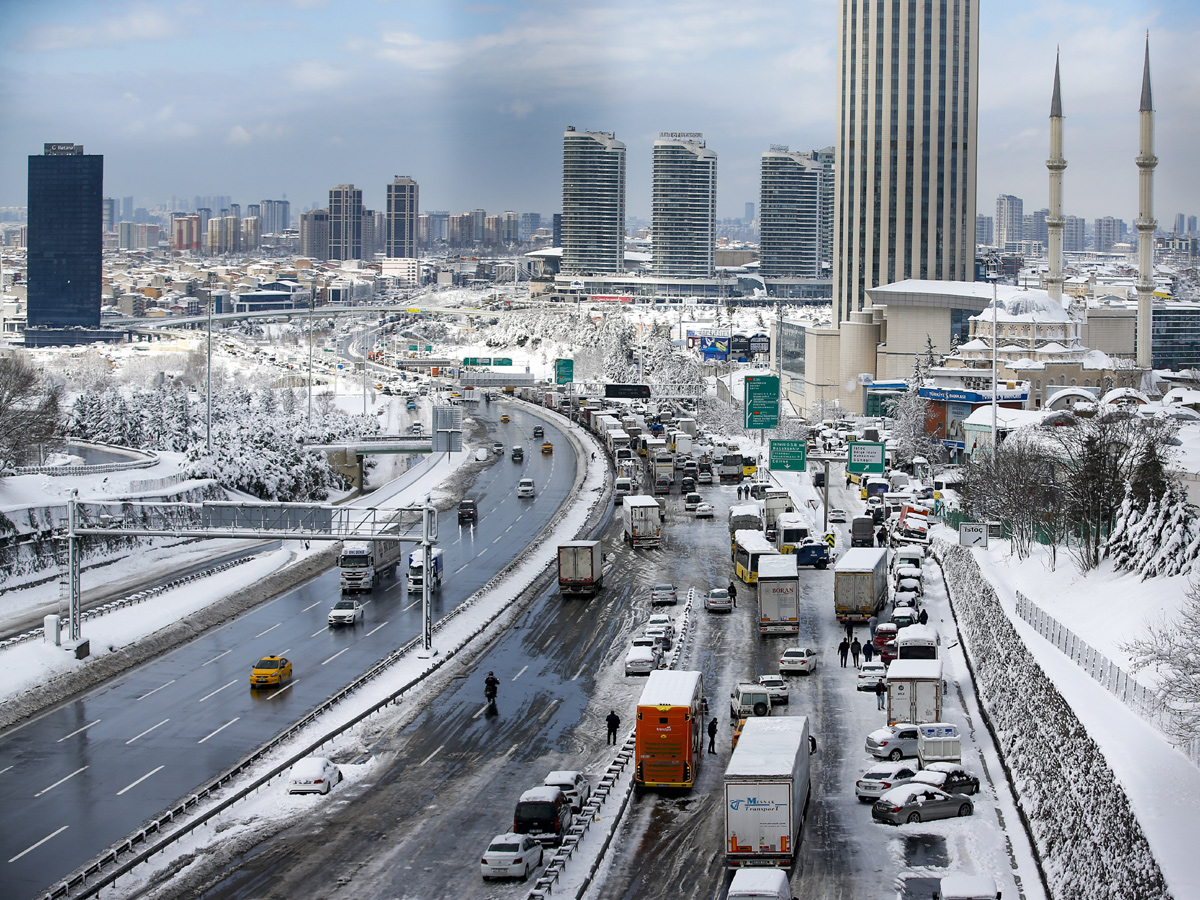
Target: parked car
x,y
655,643
893,742
718,600
776,686
573,784
545,813
661,636
704,511
915,802
525,487
511,856
903,616
837,515
641,660
346,612
950,777
314,775
870,675
663,593
663,621
882,777
798,659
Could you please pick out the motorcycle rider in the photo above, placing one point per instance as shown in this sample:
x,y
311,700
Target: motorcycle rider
x,y
490,684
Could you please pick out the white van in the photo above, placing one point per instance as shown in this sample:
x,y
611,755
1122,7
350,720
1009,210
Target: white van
x,y
525,487
760,884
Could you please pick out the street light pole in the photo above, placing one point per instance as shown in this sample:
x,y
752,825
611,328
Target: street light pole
x,y
311,304
208,383
994,273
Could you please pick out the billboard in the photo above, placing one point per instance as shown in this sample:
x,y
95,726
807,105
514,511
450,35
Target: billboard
x,y
714,346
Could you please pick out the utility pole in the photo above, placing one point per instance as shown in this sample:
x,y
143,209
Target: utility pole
x,y
311,303
208,384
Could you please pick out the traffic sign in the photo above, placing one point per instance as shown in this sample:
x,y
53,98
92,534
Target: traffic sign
x,y
972,534
865,458
477,361
790,456
627,391
761,409
564,371
501,361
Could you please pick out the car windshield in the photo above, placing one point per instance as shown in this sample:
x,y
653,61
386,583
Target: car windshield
x,y
344,604
267,664
355,562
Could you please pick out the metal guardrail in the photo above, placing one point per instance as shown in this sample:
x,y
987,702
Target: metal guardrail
x,y
76,884
1139,698
98,469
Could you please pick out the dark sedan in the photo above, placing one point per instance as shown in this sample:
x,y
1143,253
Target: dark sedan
x,y
950,777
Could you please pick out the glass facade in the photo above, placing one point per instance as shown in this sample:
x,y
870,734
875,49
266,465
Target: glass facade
x,y
1175,337
790,215
65,237
791,354
592,226
683,227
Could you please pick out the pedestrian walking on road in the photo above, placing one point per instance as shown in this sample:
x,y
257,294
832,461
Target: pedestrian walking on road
x,y
843,649
614,722
880,693
855,650
849,630
712,735
868,651
871,623
923,618
879,535
732,594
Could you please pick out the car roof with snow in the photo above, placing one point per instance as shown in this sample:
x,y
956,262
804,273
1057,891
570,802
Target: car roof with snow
x,y
906,792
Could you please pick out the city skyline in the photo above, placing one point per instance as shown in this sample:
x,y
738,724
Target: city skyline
x,y
292,98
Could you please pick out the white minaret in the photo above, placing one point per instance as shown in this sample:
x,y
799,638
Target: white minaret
x,y
1056,164
1146,161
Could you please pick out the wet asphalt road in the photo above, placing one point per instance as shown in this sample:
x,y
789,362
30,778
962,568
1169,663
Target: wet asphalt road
x,y
85,774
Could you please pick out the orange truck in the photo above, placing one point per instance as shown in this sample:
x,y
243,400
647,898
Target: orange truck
x,y
669,736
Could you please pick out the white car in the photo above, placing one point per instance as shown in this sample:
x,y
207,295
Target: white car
x,y
704,478
574,786
661,636
346,612
704,511
662,620
870,675
718,600
883,776
511,856
663,593
692,501
641,660
525,487
315,775
837,515
776,686
798,659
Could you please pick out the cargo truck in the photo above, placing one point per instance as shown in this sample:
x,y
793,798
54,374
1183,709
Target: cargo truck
x,y
640,520
669,734
778,595
914,691
416,569
580,567
362,564
775,503
860,584
767,792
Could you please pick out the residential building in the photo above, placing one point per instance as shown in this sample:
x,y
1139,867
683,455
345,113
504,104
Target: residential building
x,y
1108,231
314,234
683,205
64,239
593,203
403,195
1074,234
1010,220
345,222
275,216
789,214
984,229
1034,228
530,223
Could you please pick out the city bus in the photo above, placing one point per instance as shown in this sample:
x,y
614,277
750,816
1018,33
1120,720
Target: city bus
x,y
794,529
669,734
748,548
874,486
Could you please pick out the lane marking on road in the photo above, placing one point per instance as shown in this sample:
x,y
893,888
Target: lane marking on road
x,y
218,731
519,674
215,658
322,631
272,628
431,756
310,606
139,781
511,751
575,677
77,731
39,843
482,710
5,769
335,656
549,641
146,732
60,781
279,693
499,537
460,568
375,629
411,605
218,690
156,690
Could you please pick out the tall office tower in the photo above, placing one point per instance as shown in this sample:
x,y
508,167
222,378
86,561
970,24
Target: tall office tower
x,y
314,234
251,233
1033,226
1180,224
477,225
1191,225
593,203
345,222
748,217
530,223
1010,220
984,229
108,214
254,211
683,206
370,240
403,195
63,237
789,214
906,145
826,156
556,230
1074,234
1108,231
126,210
510,228
439,226
275,216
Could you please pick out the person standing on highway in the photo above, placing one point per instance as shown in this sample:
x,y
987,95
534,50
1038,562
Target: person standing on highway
x,y
855,650
871,623
880,693
843,649
923,618
868,651
732,594
712,735
614,722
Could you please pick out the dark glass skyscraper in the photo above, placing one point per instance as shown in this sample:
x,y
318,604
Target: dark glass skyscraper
x,y
64,237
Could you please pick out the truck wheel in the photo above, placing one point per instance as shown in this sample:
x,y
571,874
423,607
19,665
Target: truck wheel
x,y
822,564
761,709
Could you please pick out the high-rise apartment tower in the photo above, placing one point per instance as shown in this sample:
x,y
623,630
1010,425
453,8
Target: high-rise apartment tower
x,y
345,222
789,214
402,196
593,203
683,206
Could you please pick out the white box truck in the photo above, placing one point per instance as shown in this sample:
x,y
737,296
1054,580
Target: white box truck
x,y
362,564
416,569
640,520
914,691
778,595
767,792
580,567
860,584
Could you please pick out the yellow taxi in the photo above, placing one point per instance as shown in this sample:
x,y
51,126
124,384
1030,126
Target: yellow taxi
x,y
737,732
504,418
271,671
547,447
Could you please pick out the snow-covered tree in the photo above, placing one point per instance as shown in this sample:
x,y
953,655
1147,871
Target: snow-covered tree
x,y
1169,648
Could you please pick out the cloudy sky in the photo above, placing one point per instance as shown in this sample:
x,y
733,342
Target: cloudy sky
x,y
266,98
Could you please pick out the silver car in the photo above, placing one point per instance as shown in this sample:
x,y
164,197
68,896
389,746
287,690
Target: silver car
x,y
893,742
916,802
718,600
883,776
663,593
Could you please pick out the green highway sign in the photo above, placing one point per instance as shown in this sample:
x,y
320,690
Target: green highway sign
x,y
501,361
790,456
413,348
761,407
477,361
865,458
564,371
